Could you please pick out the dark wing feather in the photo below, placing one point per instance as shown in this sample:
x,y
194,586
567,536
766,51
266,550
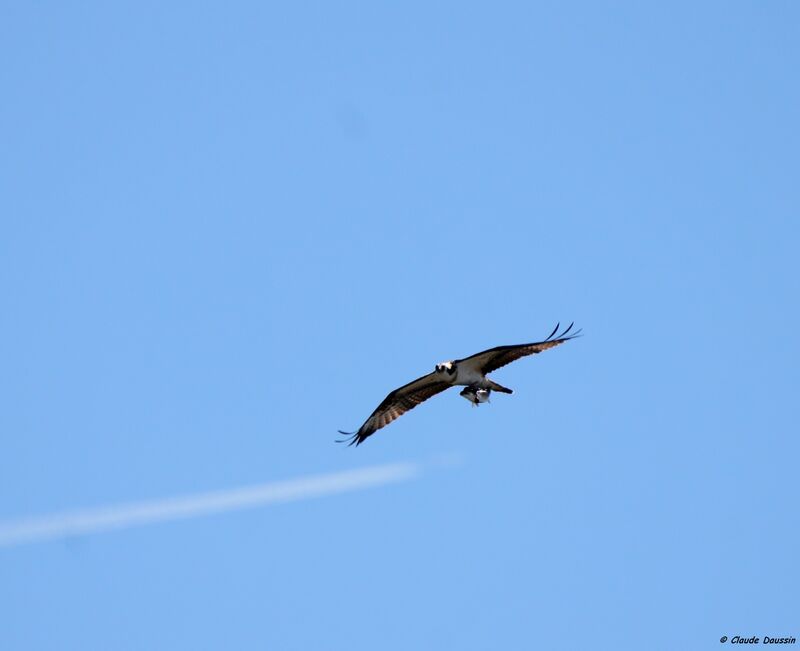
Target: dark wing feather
x,y
397,403
494,358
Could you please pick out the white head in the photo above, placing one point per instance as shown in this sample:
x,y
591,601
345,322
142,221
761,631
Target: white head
x,y
445,369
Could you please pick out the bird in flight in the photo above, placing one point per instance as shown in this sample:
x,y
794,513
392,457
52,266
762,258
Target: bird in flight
x,y
469,372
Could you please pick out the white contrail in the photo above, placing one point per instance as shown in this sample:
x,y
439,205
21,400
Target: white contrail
x,y
88,521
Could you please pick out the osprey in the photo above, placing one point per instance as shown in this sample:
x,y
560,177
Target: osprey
x,y
469,372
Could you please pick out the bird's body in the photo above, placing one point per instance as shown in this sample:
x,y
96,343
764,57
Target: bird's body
x,y
470,372
468,375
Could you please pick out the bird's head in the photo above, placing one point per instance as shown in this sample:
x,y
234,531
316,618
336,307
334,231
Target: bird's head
x,y
445,368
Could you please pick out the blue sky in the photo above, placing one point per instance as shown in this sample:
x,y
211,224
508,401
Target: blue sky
x,y
229,230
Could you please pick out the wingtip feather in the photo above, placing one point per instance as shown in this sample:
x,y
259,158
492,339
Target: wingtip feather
x,y
349,436
353,438
566,335
554,331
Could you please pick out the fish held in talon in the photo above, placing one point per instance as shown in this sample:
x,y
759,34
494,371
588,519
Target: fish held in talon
x,y
476,396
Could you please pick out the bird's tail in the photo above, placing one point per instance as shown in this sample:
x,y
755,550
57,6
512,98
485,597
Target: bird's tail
x,y
498,387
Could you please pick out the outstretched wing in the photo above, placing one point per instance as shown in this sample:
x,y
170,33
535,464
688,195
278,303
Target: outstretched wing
x,y
494,358
397,403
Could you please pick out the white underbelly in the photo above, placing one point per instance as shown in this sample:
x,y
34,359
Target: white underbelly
x,y
466,377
